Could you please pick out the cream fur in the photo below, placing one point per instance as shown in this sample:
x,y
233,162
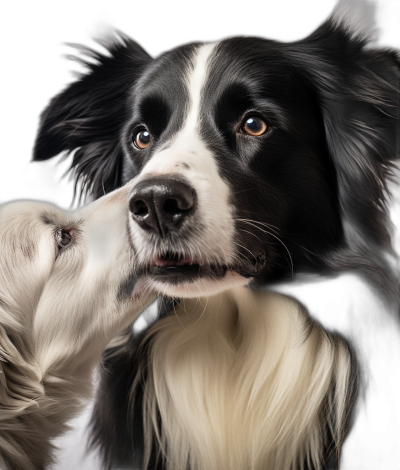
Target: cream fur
x,y
245,380
58,311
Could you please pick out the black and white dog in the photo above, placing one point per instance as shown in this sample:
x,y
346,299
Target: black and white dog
x,y
254,161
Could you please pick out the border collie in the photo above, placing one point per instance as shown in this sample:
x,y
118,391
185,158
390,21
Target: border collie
x,y
252,161
68,286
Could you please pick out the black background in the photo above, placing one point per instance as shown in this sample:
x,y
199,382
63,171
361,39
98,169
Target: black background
x,y
34,68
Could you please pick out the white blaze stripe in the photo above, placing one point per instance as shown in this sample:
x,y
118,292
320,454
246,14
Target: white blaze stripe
x,y
187,150
196,85
188,156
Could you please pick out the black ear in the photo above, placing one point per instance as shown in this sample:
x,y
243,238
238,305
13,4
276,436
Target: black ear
x,y
358,89
89,114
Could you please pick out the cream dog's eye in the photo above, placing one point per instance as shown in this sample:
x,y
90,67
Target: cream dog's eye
x,y
63,238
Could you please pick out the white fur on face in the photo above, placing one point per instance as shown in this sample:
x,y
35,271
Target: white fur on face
x,y
188,156
58,312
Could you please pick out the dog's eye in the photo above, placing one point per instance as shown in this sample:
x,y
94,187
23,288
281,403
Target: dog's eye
x,y
63,238
142,139
254,126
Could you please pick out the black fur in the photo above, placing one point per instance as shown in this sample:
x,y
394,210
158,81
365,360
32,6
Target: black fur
x,y
319,175
116,426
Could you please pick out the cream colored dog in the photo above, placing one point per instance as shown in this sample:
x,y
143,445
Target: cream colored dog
x,y
67,287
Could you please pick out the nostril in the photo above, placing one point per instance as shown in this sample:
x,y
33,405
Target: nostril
x,y
179,203
139,208
171,206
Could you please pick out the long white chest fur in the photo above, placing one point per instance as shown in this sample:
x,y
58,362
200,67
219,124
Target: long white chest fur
x,y
246,381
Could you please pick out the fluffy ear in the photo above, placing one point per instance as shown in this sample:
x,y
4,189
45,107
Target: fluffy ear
x,y
89,114
20,379
358,89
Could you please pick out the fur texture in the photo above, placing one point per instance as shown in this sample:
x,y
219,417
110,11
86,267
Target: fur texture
x,y
309,195
248,397
59,307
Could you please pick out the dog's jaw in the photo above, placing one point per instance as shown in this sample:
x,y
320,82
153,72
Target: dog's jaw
x,y
202,287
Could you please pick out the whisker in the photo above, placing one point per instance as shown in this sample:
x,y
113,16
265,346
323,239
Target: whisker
x,y
242,191
241,254
162,304
220,229
177,316
205,307
270,226
279,240
238,244
249,233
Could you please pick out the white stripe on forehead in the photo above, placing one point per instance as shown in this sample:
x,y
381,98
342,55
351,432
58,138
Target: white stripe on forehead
x,y
186,149
196,81
187,155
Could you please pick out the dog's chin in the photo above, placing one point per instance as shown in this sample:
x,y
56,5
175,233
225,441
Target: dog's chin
x,y
197,286
185,278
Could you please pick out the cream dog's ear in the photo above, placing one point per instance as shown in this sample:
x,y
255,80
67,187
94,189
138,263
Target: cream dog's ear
x,y
20,381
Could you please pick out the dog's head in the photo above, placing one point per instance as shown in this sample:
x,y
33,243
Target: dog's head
x,y
66,282
250,158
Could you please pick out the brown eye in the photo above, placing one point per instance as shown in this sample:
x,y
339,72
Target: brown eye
x,y
254,126
63,238
142,139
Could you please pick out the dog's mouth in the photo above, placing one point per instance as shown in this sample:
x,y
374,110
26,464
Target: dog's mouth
x,y
170,269
173,268
172,261
173,264
177,269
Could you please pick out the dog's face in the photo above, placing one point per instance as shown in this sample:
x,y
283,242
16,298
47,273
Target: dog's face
x,y
232,161
248,157
67,277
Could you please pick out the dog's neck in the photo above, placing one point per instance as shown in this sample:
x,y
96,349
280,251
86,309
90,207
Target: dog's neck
x,y
228,371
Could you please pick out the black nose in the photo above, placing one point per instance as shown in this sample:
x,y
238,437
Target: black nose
x,y
161,204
